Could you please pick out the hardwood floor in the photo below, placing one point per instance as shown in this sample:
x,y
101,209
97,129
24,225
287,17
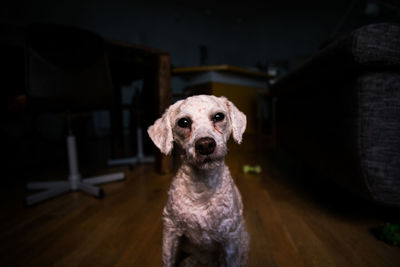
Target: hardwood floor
x,y
291,223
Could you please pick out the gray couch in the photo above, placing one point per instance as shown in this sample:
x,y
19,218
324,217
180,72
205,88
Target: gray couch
x,y
339,113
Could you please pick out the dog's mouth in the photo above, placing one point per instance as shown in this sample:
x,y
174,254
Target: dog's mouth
x,y
208,162
200,159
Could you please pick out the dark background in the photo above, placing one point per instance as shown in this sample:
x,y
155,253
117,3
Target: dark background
x,y
241,33
251,34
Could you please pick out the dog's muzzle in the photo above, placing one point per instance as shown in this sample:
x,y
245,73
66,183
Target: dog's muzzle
x,y
205,146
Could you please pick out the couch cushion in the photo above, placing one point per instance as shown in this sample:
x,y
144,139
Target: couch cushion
x,y
377,45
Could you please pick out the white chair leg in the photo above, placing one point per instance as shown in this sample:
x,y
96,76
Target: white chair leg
x,y
140,157
123,161
49,193
46,185
91,189
147,159
104,178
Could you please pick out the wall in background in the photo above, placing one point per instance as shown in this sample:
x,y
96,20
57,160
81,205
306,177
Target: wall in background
x,y
235,32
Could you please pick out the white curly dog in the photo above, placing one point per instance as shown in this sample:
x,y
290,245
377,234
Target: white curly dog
x,y
202,218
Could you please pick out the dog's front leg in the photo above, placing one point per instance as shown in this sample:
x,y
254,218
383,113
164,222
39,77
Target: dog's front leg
x,y
232,257
170,246
236,250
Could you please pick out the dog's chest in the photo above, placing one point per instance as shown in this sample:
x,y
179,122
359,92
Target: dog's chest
x,y
210,221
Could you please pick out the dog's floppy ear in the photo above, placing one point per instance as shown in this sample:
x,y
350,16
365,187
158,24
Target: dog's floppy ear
x,y
238,120
161,131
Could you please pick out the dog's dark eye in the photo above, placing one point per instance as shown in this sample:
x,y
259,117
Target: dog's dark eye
x,y
218,117
184,123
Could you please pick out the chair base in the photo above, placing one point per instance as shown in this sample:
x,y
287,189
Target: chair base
x,y
74,183
140,158
55,188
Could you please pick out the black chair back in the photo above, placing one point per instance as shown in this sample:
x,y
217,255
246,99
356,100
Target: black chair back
x,y
67,69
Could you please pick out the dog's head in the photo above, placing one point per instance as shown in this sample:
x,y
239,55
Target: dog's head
x,y
200,126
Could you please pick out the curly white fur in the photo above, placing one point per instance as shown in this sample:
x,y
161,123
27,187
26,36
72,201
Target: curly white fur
x,y
203,215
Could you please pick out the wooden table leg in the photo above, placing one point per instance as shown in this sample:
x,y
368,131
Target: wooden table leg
x,y
163,95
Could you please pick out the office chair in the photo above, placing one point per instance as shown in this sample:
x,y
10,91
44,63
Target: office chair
x,y
67,71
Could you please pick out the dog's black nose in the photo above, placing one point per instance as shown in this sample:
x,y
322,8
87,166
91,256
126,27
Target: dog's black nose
x,y
205,146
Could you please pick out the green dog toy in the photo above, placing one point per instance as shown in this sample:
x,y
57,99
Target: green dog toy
x,y
389,233
252,169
